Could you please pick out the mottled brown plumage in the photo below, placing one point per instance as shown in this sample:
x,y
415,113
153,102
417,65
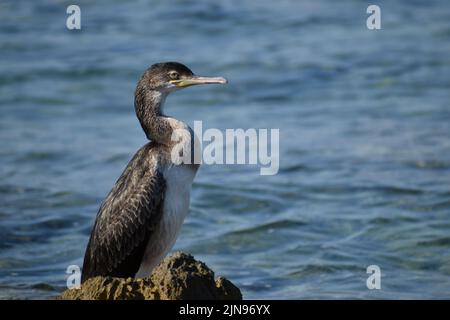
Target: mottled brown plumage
x,y
116,246
138,221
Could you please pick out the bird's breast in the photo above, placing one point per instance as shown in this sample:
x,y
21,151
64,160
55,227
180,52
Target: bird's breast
x,y
175,208
177,196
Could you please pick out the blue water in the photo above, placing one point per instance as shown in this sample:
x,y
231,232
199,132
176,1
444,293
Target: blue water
x,y
364,120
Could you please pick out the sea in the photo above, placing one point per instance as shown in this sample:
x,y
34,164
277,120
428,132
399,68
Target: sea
x,y
359,207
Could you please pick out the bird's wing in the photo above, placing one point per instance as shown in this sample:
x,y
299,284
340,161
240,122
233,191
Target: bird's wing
x,y
125,222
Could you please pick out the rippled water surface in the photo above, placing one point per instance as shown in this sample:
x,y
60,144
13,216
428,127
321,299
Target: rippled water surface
x,y
364,139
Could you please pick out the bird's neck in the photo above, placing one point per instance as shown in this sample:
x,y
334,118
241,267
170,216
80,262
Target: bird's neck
x,y
149,110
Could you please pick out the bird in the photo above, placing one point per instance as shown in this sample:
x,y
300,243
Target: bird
x,y
138,222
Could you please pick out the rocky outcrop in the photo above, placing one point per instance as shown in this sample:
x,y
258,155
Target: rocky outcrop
x,y
178,277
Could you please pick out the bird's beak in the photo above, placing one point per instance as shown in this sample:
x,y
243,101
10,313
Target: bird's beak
x,y
194,80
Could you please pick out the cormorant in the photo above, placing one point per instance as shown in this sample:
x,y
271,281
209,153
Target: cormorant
x,y
138,222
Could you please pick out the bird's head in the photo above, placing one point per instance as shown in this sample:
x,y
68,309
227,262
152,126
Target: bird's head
x,y
170,76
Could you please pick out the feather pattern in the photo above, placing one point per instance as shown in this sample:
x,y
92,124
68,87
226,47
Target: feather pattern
x,y
126,218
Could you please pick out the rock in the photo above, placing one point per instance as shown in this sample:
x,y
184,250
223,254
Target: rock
x,y
178,277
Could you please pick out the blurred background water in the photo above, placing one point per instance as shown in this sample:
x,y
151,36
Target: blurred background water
x,y
364,139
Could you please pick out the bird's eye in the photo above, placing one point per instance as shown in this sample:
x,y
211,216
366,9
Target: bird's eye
x,y
174,75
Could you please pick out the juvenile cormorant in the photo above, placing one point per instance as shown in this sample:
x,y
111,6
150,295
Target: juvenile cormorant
x,y
138,222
